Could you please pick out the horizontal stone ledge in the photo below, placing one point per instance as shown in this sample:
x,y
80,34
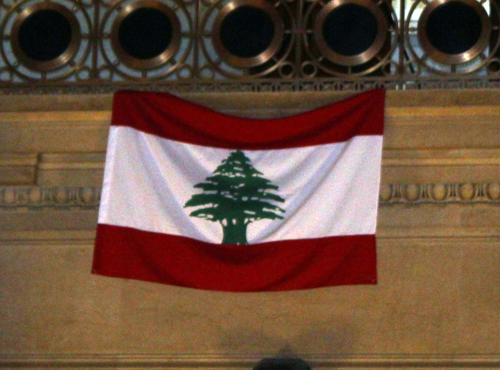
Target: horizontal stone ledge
x,y
88,197
241,100
405,129
247,361
390,157
398,166
390,238
257,108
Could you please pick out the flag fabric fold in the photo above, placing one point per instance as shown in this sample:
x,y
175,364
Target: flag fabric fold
x,y
196,198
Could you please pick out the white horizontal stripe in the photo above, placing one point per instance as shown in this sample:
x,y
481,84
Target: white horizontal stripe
x,y
329,189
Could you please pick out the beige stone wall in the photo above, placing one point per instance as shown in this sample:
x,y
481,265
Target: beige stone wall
x,y
437,304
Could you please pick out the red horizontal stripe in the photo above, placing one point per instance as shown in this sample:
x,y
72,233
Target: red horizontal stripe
x,y
173,118
285,265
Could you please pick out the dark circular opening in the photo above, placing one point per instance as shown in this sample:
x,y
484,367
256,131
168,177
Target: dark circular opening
x,y
286,70
308,69
44,35
453,27
145,33
494,67
247,31
350,29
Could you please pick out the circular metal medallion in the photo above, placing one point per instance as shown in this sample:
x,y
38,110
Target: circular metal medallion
x,y
45,36
247,33
146,34
453,31
350,32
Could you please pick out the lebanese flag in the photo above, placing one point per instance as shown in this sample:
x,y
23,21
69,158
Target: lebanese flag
x,y
200,199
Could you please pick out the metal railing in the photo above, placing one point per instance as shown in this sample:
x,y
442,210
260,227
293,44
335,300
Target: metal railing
x,y
401,54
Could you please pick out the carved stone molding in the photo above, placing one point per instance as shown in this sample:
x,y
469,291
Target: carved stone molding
x,y
34,197
88,197
440,193
298,85
211,361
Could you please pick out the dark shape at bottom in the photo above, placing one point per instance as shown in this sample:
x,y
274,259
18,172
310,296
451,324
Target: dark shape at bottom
x,y
282,363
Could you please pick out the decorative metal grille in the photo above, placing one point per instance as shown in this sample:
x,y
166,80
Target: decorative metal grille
x,y
248,45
